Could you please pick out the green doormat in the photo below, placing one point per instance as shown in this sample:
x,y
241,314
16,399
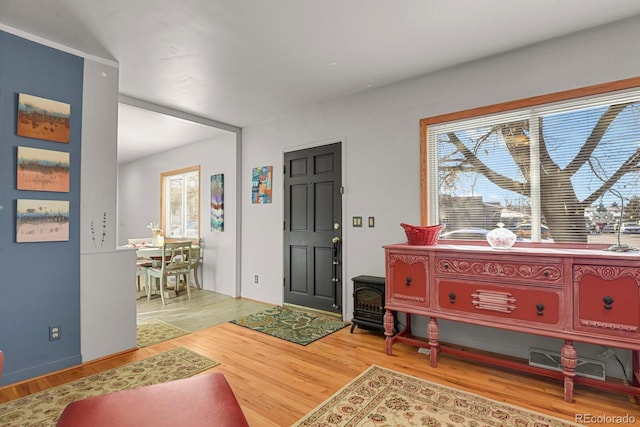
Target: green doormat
x,y
154,331
297,326
382,397
44,408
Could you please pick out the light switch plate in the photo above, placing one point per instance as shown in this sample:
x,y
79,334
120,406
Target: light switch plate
x,y
357,221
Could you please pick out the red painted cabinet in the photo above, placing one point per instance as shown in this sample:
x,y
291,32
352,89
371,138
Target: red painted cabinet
x,y
574,294
607,300
518,303
409,274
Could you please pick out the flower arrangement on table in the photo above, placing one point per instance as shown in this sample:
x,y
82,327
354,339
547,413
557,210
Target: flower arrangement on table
x,y
158,239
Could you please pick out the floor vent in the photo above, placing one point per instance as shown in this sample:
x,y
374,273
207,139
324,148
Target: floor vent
x,y
547,359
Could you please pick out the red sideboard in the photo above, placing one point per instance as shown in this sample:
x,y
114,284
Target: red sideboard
x,y
582,295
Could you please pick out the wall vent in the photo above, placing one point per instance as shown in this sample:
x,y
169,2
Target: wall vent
x,y
550,360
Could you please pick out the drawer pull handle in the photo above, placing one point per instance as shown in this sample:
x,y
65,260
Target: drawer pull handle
x,y
607,302
409,280
446,266
546,273
452,298
540,309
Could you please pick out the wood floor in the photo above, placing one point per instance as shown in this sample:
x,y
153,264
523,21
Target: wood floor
x,y
277,382
205,309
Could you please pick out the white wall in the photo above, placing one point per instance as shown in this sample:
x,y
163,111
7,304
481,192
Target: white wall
x,y
381,165
99,157
139,203
107,303
107,276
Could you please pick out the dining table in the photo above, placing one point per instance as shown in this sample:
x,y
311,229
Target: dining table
x,y
155,252
152,256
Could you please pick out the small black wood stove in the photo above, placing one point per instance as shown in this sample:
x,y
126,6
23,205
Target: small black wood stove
x,y
368,303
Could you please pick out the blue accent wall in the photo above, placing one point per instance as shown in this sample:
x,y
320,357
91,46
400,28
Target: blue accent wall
x,y
39,282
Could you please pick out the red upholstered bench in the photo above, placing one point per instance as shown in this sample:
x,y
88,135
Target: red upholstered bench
x,y
203,400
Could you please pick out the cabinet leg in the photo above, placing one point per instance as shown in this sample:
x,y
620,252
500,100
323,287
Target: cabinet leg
x,y
569,358
433,333
389,324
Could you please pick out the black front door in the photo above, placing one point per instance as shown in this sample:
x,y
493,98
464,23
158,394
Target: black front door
x,y
313,228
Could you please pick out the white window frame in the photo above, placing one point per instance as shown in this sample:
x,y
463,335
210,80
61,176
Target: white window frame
x,y
165,207
515,110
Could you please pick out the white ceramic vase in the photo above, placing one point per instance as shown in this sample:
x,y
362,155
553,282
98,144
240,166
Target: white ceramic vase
x,y
501,238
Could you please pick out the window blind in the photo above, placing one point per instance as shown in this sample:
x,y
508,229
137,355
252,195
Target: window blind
x,y
555,173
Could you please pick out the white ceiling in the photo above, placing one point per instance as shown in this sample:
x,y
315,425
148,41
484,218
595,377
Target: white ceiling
x,y
244,62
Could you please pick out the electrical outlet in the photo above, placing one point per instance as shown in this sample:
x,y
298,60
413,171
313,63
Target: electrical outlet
x,y
255,279
55,332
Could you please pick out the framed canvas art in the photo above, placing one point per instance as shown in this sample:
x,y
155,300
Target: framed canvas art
x,y
42,170
43,118
261,184
217,202
42,220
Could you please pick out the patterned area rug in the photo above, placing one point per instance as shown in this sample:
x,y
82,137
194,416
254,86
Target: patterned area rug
x,y
43,408
154,331
381,397
297,326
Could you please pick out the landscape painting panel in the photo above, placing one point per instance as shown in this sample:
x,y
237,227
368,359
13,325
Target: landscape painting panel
x,y
43,118
42,220
42,170
217,202
261,184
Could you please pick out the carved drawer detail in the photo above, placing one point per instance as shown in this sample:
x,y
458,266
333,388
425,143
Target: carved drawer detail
x,y
409,297
548,273
607,298
605,272
514,304
409,259
607,325
503,302
408,282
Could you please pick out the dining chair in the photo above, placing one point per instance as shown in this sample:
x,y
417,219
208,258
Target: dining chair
x,y
175,262
194,262
142,266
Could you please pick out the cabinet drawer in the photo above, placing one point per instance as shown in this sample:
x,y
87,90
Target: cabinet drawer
x,y
408,279
510,302
542,272
607,299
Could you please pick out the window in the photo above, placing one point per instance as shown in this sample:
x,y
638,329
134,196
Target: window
x,y
561,171
180,203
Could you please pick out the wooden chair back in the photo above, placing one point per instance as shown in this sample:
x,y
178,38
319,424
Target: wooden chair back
x,y
177,256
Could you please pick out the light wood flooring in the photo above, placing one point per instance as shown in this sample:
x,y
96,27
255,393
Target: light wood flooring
x,y
203,310
277,382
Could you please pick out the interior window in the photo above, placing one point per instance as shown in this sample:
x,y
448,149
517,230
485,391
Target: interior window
x,y
561,172
180,203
